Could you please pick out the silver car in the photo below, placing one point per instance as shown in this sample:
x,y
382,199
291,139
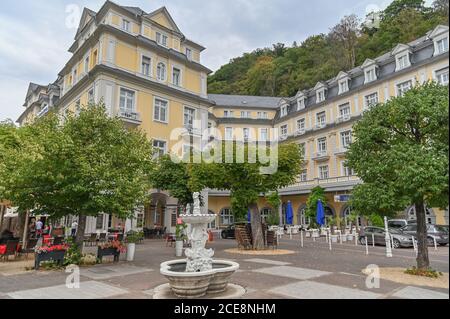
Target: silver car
x,y
399,239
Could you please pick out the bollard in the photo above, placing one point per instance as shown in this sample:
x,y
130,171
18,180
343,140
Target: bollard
x,y
329,243
392,242
415,246
356,239
326,236
340,238
435,243
301,238
373,240
367,246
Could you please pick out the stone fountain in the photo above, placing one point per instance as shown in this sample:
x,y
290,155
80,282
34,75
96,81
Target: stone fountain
x,y
199,274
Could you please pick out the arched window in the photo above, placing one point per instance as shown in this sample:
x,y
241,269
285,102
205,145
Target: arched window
x,y
430,217
161,71
226,217
347,212
265,212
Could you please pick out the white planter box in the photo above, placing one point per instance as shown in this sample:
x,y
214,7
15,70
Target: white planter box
x,y
334,238
350,237
308,233
315,234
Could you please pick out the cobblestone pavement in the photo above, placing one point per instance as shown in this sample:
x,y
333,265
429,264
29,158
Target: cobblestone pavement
x,y
312,272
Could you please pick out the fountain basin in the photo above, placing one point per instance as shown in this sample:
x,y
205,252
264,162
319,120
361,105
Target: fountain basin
x,y
198,219
190,285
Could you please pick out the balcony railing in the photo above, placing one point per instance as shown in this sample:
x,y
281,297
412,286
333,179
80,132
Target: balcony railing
x,y
340,151
131,117
283,137
319,126
343,118
322,155
300,132
344,180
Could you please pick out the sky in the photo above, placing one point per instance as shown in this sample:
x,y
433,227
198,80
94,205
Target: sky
x,y
36,34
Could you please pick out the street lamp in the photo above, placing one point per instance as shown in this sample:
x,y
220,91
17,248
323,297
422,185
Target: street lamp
x,y
387,238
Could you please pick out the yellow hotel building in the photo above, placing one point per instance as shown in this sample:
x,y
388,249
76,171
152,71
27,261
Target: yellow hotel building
x,y
149,74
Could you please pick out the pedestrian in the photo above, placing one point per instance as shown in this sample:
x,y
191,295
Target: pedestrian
x,y
74,228
32,229
39,226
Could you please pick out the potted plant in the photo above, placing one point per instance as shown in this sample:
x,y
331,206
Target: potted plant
x,y
132,238
180,238
111,248
53,253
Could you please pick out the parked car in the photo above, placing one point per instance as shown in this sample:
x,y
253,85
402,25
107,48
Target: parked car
x,y
397,223
229,232
399,239
440,233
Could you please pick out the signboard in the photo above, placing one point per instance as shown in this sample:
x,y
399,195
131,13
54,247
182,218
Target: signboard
x,y
342,198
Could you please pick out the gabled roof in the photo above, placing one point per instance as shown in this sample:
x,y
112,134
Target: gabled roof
x,y
134,10
320,85
164,11
342,75
87,15
33,87
301,93
367,63
283,102
400,48
438,31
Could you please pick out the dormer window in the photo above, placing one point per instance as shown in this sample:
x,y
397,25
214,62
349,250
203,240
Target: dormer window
x,y
343,80
343,86
402,62
284,110
370,71
320,95
301,103
189,54
401,53
320,89
440,39
370,75
442,46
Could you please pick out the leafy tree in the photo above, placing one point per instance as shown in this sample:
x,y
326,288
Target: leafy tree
x,y
173,177
88,166
401,154
398,6
246,181
317,193
346,35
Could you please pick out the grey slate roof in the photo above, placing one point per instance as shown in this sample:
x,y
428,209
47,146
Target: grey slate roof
x,y
262,102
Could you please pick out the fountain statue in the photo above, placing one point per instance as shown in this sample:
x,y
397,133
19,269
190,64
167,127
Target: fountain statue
x,y
199,274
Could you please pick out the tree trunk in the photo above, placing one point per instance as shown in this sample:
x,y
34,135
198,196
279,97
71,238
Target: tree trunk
x,y
423,261
2,215
19,229
80,231
257,231
25,230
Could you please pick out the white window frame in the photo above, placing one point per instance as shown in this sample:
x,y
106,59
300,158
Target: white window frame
x,y
320,95
150,67
87,60
302,127
91,100
324,172
346,138
318,123
126,25
246,114
180,76
372,71
322,145
246,134
194,116
347,114
283,110
159,40
228,114
303,177
262,115
346,171
399,92
158,74
156,98
368,102
301,103
343,86
164,150
402,61
133,110
437,40
441,72
188,52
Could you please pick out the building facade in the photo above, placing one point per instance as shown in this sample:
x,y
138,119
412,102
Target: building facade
x,y
150,75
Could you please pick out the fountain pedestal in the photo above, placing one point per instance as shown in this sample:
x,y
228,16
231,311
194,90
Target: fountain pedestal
x,y
199,274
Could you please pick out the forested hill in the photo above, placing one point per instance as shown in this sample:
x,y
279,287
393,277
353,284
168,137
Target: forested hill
x,y
282,70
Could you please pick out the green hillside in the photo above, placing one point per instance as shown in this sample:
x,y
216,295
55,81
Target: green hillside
x,y
282,70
